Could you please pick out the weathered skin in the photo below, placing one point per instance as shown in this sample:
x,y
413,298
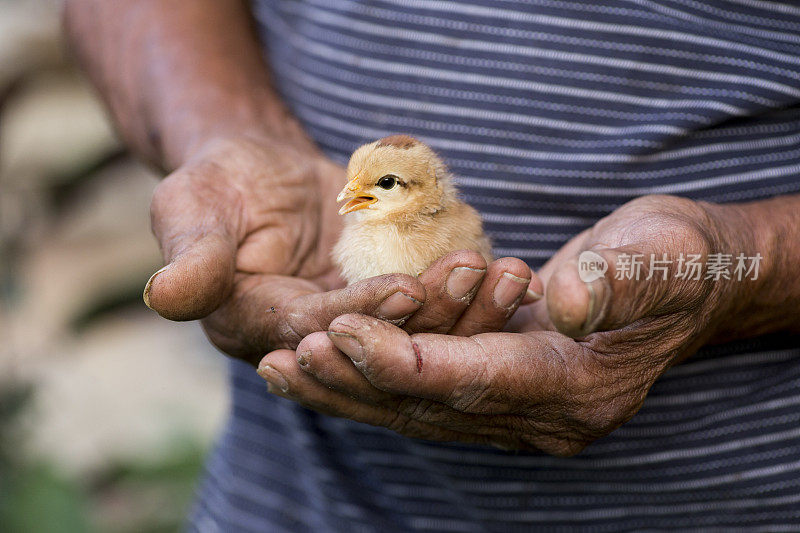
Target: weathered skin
x,y
248,247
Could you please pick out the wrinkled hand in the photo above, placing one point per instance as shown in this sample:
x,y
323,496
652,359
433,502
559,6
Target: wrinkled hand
x,y
245,233
535,388
246,227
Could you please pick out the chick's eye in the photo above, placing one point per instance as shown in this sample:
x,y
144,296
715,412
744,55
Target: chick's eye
x,y
387,182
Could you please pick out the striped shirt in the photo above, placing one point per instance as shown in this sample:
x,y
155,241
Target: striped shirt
x,y
552,113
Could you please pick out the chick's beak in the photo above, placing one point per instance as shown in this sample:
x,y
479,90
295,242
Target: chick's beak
x,y
356,201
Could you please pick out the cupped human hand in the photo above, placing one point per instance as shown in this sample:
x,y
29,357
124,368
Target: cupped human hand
x,y
246,227
245,232
577,365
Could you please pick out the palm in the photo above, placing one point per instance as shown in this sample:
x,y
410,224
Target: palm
x,y
289,223
262,210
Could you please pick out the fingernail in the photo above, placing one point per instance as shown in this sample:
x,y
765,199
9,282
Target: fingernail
x,y
347,344
533,295
273,377
596,307
397,306
399,321
304,358
508,290
462,281
149,285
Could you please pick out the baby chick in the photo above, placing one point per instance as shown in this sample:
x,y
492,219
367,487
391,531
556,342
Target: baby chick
x,y
402,211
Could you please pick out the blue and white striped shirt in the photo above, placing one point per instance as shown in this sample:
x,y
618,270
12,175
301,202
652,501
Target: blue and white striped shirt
x,y
552,113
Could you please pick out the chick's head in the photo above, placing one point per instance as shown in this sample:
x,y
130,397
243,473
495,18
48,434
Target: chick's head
x,y
395,176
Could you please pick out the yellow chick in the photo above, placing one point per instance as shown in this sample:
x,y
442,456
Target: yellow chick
x,y
402,211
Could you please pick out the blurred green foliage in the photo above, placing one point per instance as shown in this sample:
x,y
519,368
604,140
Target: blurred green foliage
x,y
36,498
119,497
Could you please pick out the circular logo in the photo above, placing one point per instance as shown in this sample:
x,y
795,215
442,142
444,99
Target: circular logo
x,y
591,266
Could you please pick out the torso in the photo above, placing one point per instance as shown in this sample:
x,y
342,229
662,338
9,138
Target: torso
x,y
551,114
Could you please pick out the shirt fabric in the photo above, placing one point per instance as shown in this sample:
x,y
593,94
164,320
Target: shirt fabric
x,y
551,113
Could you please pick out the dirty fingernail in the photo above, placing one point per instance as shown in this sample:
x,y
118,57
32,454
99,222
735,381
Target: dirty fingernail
x,y
304,358
149,285
397,306
399,321
347,344
462,281
508,290
273,377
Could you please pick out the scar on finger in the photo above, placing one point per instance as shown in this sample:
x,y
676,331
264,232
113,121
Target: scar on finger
x,y
418,356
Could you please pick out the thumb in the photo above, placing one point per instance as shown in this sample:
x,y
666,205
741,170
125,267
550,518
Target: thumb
x,y
609,288
194,228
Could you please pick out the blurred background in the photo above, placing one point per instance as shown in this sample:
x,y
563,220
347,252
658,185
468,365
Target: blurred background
x,y
106,410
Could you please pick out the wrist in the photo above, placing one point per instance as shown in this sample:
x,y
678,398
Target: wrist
x,y
177,74
184,132
766,299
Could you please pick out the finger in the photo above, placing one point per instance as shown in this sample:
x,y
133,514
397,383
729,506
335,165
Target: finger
x,y
198,231
450,284
483,374
639,281
390,297
319,357
504,287
286,379
269,312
